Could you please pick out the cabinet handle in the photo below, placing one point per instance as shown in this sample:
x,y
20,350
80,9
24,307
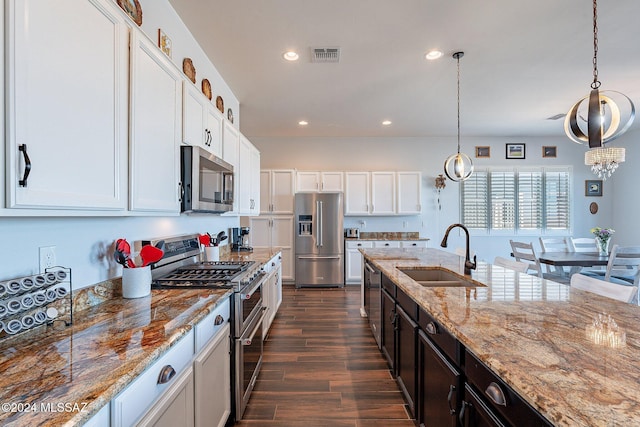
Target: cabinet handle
x,y
219,320
27,165
180,191
495,393
386,244
166,373
463,410
452,389
432,328
322,186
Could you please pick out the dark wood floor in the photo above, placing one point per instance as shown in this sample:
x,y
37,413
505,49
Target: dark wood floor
x,y
322,367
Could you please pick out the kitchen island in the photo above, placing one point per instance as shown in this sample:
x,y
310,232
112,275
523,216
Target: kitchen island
x,y
64,376
531,333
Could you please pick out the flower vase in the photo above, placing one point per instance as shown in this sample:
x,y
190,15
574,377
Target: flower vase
x,y
603,246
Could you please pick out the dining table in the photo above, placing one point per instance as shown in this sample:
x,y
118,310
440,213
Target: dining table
x,y
573,259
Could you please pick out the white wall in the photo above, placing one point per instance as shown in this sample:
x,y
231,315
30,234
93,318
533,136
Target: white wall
x,y
82,243
626,192
427,155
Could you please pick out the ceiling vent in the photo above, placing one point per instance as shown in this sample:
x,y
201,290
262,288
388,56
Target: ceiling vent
x,y
325,54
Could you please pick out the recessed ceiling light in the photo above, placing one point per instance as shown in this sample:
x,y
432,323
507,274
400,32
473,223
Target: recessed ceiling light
x,y
433,54
386,122
290,55
303,122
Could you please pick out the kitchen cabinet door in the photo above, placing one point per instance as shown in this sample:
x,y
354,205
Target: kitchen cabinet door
x,y
213,121
277,191
255,180
353,260
155,128
409,193
175,407
307,181
388,330
406,367
357,196
230,143
331,181
192,116
383,193
212,371
440,386
248,178
67,80
275,233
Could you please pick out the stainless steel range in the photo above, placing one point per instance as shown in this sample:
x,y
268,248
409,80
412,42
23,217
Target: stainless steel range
x,y
181,268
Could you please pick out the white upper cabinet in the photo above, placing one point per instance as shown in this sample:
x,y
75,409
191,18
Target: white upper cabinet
x,y
383,193
276,191
409,193
66,71
248,178
156,94
202,122
357,195
319,181
230,154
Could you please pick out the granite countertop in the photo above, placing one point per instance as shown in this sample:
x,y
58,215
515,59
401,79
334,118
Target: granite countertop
x,y
388,235
107,347
532,333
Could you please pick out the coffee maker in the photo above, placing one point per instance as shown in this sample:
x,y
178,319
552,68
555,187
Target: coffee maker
x,y
240,238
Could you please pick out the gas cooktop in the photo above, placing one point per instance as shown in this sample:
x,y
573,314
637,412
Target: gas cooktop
x,y
219,274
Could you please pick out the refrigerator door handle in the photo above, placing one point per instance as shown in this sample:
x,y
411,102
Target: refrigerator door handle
x,y
320,219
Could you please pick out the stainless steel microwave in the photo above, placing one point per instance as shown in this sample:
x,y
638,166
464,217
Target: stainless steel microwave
x,y
207,182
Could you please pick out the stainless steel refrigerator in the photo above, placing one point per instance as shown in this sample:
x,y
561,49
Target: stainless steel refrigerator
x,y
319,219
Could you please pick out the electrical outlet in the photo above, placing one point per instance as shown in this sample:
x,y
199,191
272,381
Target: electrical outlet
x,y
47,257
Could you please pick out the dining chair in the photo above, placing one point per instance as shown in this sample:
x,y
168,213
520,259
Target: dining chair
x,y
623,266
601,287
555,244
519,266
525,252
583,244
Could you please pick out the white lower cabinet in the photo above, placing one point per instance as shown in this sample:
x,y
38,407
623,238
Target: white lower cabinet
x,y
386,244
212,370
135,401
272,291
175,407
353,260
414,244
275,233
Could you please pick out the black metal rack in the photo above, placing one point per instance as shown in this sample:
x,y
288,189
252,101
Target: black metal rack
x,y
38,300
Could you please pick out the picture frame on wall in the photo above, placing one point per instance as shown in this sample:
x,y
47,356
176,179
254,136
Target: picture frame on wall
x,y
164,42
549,151
593,187
515,151
483,152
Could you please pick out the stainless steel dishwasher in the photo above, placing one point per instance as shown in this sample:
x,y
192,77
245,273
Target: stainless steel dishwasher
x,y
372,280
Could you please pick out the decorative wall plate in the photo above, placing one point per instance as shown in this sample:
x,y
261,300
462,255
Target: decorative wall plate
x,y
188,69
220,104
593,208
230,115
133,8
206,88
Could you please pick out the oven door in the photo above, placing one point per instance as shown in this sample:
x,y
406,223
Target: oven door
x,y
248,305
248,362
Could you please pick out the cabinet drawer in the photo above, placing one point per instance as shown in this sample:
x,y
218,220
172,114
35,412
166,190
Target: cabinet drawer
x,y
211,324
447,343
407,304
358,244
414,244
134,401
499,396
386,244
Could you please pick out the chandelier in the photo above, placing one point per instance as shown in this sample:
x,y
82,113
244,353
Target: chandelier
x,y
458,166
603,121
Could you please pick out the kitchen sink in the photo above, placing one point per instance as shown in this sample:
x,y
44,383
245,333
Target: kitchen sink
x,y
437,278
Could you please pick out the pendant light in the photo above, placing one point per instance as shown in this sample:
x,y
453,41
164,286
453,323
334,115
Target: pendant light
x,y
603,122
458,167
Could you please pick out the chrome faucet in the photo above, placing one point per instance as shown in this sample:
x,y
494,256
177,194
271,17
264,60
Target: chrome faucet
x,y
468,265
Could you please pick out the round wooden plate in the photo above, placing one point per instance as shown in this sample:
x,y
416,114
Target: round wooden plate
x,y
220,104
133,8
230,115
206,88
188,69
593,208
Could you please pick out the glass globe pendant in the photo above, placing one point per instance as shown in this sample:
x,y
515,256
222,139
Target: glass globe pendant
x,y
458,166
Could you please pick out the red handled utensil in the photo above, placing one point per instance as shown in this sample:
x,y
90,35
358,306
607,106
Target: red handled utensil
x,y
150,254
205,239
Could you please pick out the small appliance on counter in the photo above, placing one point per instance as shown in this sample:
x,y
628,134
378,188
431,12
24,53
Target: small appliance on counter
x,y
352,233
240,239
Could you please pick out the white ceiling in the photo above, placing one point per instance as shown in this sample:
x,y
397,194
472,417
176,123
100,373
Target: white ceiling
x,y
524,61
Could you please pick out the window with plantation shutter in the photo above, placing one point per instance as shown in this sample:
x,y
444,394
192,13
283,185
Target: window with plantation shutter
x,y
475,192
529,200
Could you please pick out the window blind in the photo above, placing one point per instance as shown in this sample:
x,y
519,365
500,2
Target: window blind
x,y
557,204
530,200
503,201
475,192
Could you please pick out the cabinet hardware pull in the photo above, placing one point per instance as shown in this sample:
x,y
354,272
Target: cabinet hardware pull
x,y
219,320
181,190
432,328
368,267
452,390
463,409
166,373
27,165
495,393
